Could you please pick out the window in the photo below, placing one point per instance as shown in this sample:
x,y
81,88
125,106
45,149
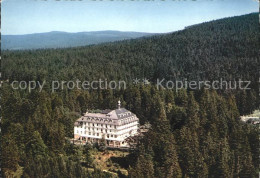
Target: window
x,y
115,136
115,127
97,134
89,133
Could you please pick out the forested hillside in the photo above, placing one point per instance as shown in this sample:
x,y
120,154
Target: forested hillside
x,y
225,48
194,133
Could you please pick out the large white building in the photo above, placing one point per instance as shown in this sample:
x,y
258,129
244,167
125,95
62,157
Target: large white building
x,y
112,125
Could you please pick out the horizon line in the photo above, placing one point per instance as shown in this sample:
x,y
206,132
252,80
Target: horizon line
x,y
87,32
127,30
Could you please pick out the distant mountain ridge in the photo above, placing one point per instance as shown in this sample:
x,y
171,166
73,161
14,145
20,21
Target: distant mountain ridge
x,y
59,39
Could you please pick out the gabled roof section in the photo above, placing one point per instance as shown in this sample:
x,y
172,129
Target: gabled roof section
x,y
106,116
123,113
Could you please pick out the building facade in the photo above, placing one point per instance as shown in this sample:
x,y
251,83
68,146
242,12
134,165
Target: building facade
x,y
114,126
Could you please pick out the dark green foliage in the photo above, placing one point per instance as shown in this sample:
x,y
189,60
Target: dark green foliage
x,y
210,141
10,153
89,159
202,137
194,133
226,48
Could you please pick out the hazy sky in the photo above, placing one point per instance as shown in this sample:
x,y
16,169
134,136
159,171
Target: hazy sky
x,y
35,16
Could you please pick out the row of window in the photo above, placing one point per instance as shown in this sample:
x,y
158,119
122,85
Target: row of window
x,y
105,130
128,120
97,129
93,124
97,134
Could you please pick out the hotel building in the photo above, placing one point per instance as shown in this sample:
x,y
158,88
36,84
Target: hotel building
x,y
114,126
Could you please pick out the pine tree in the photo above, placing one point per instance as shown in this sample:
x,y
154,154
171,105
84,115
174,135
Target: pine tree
x,y
35,146
193,120
143,167
9,154
181,98
166,158
169,101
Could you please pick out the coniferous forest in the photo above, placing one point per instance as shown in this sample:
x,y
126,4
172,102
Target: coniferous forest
x,y
194,133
